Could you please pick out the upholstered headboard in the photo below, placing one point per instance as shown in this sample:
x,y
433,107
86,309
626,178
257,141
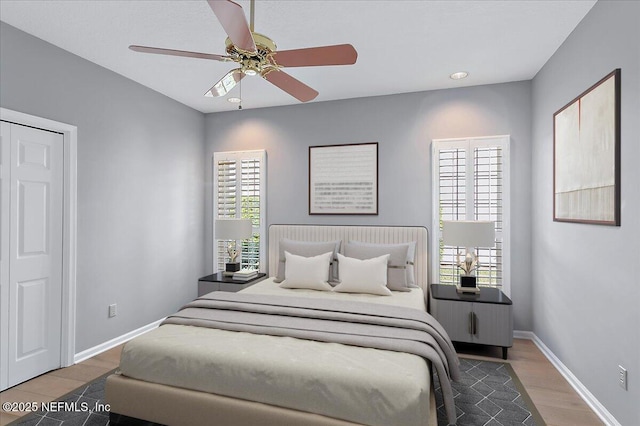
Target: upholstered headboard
x,y
370,234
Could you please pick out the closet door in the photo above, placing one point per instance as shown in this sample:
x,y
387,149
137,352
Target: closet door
x,y
5,237
35,252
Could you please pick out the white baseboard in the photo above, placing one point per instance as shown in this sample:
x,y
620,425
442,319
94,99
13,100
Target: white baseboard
x,y
91,352
519,334
576,384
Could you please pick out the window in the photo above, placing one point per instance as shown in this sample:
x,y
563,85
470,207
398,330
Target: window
x,y
471,182
239,190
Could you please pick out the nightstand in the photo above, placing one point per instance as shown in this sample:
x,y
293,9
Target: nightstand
x,y
485,318
220,282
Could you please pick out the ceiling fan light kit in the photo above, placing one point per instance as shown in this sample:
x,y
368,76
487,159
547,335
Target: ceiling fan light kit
x,y
226,83
257,54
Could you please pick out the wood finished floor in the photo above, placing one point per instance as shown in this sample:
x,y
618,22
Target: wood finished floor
x,y
552,395
554,398
57,383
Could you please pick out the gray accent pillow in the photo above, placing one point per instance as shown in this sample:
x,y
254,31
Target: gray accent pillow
x,y
308,249
397,266
411,258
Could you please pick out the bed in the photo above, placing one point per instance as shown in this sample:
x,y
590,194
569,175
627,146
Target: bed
x,y
184,375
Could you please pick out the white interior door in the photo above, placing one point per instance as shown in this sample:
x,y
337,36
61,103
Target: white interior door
x,y
5,237
35,251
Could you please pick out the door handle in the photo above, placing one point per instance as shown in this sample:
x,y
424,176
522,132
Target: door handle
x,y
473,323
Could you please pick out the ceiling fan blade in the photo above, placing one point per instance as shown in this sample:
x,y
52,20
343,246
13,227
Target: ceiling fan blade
x,y
172,52
339,54
292,86
234,22
226,83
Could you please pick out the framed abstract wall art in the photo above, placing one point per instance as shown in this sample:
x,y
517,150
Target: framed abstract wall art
x,y
343,179
586,156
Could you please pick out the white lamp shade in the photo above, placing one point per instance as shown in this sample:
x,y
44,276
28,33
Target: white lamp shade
x,y
469,233
233,229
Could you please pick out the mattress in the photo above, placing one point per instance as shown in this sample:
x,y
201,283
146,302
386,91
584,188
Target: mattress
x,y
361,385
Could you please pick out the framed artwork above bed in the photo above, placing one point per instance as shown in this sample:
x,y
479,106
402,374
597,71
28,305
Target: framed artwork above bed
x,y
343,179
586,156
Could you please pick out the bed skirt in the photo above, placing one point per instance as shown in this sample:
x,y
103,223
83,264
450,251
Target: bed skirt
x,y
173,406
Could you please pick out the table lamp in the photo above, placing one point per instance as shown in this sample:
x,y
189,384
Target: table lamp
x,y
233,230
469,234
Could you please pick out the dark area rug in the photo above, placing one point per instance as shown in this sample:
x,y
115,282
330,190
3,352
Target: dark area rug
x,y
84,406
489,393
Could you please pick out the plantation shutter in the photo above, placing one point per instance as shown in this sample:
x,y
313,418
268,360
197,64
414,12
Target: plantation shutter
x,y
470,184
227,185
452,206
488,179
239,192
250,204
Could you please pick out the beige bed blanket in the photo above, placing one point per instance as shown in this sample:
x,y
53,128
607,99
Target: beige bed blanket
x,y
347,322
365,386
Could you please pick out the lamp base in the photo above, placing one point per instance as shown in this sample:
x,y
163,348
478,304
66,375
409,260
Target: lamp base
x,y
468,281
473,290
467,284
232,267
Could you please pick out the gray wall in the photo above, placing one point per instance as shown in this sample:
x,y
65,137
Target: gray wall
x,y
141,220
140,183
586,292
404,126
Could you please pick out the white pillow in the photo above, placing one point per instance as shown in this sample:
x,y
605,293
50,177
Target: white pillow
x,y
307,272
363,276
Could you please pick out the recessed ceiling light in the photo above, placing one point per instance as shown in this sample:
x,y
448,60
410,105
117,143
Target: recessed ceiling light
x,y
250,72
459,75
234,100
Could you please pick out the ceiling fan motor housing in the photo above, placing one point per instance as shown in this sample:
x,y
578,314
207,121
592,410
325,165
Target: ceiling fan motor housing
x,y
258,62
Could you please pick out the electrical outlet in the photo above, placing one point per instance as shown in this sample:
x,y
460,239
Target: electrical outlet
x,y
113,310
622,377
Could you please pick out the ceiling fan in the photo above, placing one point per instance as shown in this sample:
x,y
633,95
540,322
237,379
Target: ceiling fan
x,y
257,54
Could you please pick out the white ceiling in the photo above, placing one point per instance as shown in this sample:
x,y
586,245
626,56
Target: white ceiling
x,y
403,46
